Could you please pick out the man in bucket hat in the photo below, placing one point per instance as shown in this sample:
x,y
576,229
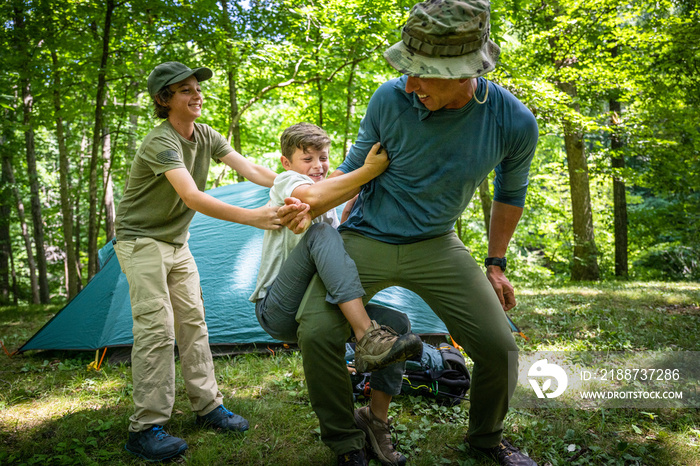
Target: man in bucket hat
x,y
165,189
445,129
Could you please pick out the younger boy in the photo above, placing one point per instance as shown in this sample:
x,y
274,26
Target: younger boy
x,y
290,261
164,190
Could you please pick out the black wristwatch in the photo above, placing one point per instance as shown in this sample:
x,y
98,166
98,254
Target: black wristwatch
x,y
499,261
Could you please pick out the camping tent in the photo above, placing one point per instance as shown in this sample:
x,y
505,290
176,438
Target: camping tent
x,y
228,257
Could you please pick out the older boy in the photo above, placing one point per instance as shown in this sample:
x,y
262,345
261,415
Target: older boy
x,y
290,261
164,190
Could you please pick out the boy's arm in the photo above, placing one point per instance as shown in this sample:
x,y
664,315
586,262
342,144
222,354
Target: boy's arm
x,y
336,189
255,173
347,209
263,217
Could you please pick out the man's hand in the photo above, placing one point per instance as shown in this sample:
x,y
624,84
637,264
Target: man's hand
x,y
504,290
295,215
376,161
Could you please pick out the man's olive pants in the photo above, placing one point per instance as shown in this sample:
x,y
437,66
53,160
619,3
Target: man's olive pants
x,y
443,273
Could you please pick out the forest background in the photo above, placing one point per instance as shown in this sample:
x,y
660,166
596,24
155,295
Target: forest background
x,y
615,87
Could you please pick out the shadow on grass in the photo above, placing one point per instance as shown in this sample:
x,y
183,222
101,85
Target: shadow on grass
x,y
97,436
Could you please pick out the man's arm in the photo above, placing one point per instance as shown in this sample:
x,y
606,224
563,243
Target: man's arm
x,y
263,217
255,173
504,220
337,189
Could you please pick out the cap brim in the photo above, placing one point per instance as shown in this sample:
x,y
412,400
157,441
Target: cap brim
x,y
202,74
471,65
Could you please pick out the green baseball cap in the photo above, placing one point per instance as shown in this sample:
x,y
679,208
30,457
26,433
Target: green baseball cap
x,y
173,72
446,39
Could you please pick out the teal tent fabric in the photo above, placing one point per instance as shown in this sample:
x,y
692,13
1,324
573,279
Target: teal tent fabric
x,y
228,257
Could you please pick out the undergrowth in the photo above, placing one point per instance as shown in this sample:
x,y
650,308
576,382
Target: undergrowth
x,y
54,411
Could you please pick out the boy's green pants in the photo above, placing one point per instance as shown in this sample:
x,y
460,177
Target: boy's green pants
x,y
443,273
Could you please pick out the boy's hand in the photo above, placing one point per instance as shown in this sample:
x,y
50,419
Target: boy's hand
x,y
347,209
377,160
295,215
266,218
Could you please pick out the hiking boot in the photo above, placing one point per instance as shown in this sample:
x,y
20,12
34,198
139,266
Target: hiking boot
x,y
154,444
507,455
379,437
352,458
223,419
382,346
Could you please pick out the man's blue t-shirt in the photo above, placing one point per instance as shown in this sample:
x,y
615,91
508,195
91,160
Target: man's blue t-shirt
x,y
437,160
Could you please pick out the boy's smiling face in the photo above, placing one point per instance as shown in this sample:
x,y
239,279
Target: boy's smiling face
x,y
312,163
186,102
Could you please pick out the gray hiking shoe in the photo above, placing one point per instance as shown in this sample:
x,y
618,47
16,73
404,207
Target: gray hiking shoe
x,y
223,419
379,437
154,444
382,346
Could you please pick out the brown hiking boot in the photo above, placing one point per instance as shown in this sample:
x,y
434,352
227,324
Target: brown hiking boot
x,y
382,346
379,437
352,458
506,454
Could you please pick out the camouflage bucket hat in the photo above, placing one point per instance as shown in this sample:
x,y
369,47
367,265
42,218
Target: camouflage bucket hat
x,y
446,39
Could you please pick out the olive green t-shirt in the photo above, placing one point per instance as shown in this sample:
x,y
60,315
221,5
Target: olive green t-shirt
x,y
151,207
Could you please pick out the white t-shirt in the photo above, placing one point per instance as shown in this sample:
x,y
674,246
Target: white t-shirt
x,y
277,244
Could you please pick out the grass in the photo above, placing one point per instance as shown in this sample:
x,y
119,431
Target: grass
x,y
53,411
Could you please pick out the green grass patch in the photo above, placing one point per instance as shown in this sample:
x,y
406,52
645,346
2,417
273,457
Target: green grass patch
x,y
54,411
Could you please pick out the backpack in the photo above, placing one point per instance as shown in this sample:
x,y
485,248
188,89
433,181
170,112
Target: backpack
x,y
441,374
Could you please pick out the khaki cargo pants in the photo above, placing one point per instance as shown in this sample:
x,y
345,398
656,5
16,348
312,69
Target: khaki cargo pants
x,y
166,304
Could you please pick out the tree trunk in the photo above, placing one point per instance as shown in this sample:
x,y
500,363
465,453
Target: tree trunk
x,y
35,201
108,184
5,238
585,263
132,144
319,87
7,168
619,190
234,128
27,122
349,109
13,274
619,196
96,144
71,264
485,197
77,227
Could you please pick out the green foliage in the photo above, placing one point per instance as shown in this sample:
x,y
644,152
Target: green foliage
x,y
671,260
289,61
